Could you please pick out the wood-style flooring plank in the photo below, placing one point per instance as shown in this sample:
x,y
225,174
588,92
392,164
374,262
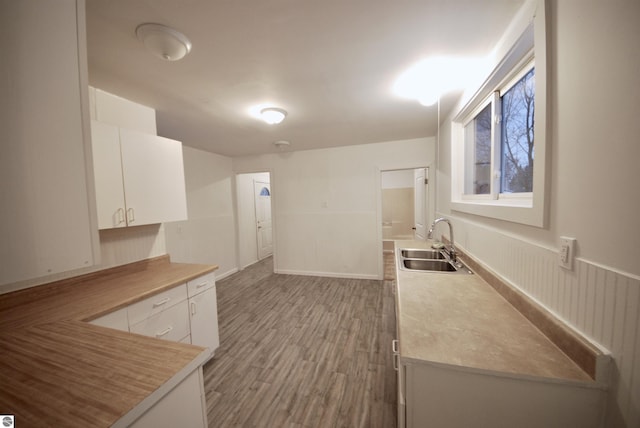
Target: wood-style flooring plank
x,y
298,351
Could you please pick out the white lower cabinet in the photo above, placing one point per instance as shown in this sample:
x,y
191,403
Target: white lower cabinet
x,y
183,406
203,312
445,396
116,320
170,324
186,313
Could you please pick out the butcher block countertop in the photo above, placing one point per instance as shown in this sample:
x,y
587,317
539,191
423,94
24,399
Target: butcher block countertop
x,y
56,369
461,321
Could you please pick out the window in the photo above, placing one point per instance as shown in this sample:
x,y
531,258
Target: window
x,y
498,139
517,118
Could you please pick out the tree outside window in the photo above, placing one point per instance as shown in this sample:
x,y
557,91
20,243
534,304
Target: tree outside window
x,y
518,117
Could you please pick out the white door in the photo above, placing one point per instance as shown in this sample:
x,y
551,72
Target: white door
x,y
420,202
263,219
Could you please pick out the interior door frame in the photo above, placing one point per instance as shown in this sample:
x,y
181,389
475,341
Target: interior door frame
x,y
262,183
430,200
274,221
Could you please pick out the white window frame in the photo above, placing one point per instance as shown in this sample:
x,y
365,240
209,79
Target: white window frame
x,y
495,100
529,50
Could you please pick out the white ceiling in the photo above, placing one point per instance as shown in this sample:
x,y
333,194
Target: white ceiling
x,y
331,64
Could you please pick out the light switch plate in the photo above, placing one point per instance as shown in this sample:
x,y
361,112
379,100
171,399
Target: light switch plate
x,y
567,252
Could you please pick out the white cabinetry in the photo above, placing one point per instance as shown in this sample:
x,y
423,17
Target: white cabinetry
x,y
186,313
139,177
448,396
203,312
164,316
116,320
47,213
183,406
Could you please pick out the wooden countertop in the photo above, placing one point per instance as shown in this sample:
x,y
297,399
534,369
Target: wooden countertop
x,y
58,370
460,320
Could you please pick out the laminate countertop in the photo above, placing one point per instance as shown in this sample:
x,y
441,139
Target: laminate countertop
x,y
460,320
56,369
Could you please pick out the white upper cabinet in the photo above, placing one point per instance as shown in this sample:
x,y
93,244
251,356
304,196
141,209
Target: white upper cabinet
x,y
115,110
139,177
107,170
153,173
47,208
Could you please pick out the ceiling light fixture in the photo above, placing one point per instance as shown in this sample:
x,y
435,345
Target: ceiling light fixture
x,y
163,42
281,144
273,115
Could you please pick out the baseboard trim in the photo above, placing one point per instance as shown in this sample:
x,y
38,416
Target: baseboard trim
x,y
327,274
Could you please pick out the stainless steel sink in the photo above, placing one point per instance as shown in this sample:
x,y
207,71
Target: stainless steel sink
x,y
430,261
422,254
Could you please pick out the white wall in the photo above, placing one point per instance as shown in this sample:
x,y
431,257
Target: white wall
x,y
595,90
246,212
208,236
326,204
398,179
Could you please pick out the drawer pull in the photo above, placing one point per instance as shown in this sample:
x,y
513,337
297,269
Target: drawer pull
x,y
202,284
394,346
161,302
164,332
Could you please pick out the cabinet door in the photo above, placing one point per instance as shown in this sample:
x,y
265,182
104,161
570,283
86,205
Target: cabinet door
x,y
203,312
183,406
153,177
46,210
107,170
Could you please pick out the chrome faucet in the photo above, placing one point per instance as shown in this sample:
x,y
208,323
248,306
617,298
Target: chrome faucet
x,y
452,248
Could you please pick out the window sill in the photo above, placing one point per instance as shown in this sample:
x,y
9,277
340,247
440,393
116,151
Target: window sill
x,y
523,211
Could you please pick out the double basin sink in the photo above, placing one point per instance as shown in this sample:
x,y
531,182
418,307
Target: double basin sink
x,y
430,261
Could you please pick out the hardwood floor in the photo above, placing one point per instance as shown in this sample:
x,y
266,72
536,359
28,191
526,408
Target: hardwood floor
x,y
298,351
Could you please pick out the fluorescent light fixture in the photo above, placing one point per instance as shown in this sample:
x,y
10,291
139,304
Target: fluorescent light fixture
x,y
163,42
273,115
427,80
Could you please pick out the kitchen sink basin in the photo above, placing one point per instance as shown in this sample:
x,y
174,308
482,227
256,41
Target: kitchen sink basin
x,y
434,265
418,260
422,254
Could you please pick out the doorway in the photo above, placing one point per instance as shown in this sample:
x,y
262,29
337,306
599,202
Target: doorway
x,y
404,205
254,211
264,232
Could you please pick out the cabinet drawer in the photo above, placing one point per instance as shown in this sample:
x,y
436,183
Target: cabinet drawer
x,y
156,304
170,324
201,284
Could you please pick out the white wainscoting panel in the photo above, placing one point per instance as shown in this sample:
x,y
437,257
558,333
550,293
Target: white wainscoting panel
x,y
603,304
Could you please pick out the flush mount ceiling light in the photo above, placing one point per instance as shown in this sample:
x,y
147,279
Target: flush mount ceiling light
x,y
273,115
281,144
163,42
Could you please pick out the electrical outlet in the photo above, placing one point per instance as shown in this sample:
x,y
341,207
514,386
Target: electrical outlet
x,y
567,252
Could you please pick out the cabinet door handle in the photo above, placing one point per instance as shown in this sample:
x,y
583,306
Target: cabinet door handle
x,y
396,363
164,332
161,302
120,215
394,346
193,308
131,215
